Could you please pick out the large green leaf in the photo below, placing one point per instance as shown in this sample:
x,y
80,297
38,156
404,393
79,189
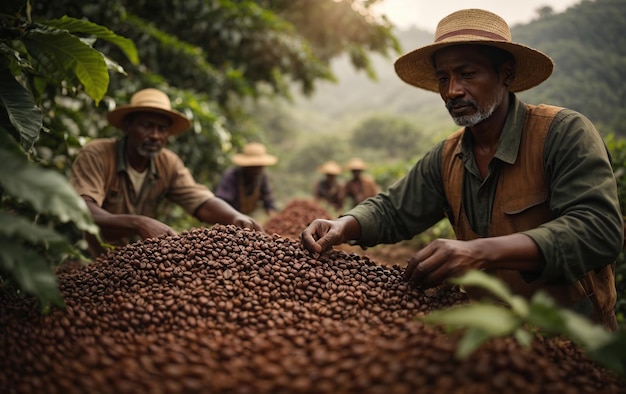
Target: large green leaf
x,y
46,190
20,108
485,281
20,228
30,271
494,320
82,26
65,57
583,331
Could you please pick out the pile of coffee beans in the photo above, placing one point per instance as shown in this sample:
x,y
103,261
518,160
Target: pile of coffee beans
x,y
228,310
294,218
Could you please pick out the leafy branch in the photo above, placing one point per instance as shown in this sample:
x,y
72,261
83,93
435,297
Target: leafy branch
x,y
520,318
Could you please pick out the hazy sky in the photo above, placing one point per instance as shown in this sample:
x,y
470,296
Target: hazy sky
x,y
426,14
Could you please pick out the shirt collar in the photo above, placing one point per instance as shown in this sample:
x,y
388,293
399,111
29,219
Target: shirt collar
x,y
508,145
122,161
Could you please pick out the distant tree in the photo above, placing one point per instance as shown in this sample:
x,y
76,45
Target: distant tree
x,y
545,11
397,136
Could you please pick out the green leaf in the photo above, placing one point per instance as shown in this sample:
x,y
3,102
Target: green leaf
x,y
47,191
523,337
583,331
473,338
495,286
20,108
65,57
30,271
544,313
74,25
18,227
612,354
495,320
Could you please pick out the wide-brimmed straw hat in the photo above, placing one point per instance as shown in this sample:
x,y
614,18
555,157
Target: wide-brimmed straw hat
x,y
254,155
330,168
150,100
474,26
356,164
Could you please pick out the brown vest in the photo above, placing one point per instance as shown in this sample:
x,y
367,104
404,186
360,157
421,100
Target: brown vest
x,y
521,203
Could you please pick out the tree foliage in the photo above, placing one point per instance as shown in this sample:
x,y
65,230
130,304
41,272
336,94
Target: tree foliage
x,y
213,55
399,137
36,201
65,63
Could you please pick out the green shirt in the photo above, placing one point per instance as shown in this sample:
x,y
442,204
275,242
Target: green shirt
x,y
588,230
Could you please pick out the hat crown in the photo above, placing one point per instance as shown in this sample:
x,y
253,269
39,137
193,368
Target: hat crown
x,y
254,154
472,25
330,168
151,98
254,149
356,163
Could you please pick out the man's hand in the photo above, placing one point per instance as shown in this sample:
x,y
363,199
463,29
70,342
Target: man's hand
x,y
151,228
440,260
322,234
245,221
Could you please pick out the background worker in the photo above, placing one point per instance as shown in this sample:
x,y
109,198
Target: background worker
x,y
125,180
246,187
328,188
360,186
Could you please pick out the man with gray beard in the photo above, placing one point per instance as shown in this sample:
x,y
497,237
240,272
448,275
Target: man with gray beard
x,y
529,189
125,180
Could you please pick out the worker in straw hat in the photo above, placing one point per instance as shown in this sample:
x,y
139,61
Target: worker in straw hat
x,y
328,189
360,186
124,180
528,189
246,187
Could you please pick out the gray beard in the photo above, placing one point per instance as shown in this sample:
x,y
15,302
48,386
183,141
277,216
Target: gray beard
x,y
479,116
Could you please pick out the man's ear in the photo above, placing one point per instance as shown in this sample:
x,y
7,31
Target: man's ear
x,y
508,72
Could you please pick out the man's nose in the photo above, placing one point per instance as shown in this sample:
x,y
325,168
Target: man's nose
x,y
454,89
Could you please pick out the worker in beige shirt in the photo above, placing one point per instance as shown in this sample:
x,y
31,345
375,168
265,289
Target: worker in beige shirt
x,y
124,180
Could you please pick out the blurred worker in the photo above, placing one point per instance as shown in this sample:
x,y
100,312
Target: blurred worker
x,y
328,189
246,187
360,186
124,180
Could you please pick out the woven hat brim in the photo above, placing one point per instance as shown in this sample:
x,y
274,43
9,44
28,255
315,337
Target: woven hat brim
x,y
532,66
179,124
254,161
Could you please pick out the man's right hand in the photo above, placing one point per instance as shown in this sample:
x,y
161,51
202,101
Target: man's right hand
x,y
322,234
150,228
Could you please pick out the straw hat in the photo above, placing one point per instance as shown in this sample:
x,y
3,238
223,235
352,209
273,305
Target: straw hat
x,y
330,168
150,100
474,26
356,164
254,155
